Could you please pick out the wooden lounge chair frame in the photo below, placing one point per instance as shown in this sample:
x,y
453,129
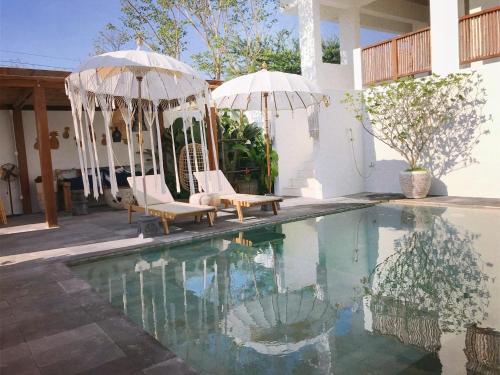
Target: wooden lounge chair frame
x,y
228,196
169,216
165,207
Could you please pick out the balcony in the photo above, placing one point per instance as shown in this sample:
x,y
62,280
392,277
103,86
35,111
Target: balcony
x,y
410,54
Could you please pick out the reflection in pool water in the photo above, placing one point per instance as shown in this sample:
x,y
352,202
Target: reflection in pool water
x,y
379,290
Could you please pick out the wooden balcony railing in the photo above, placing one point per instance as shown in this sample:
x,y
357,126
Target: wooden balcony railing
x,y
410,54
480,35
401,56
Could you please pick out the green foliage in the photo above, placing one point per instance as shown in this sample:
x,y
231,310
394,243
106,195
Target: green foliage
x,y
220,24
416,169
243,146
238,35
279,51
409,114
256,152
157,22
111,38
331,50
234,129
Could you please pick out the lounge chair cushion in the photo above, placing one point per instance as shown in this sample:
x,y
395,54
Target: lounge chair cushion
x,y
226,192
252,199
179,208
208,199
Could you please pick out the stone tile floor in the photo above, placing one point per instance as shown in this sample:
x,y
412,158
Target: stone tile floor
x,y
51,322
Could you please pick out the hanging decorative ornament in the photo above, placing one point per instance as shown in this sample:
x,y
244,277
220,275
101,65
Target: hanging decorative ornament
x,y
103,139
117,135
140,139
54,142
66,132
35,146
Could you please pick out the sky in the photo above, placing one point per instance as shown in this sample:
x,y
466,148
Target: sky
x,y
59,34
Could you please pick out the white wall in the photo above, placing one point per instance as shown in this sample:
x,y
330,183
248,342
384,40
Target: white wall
x,y
336,76
444,36
333,154
334,165
65,157
333,157
480,179
292,143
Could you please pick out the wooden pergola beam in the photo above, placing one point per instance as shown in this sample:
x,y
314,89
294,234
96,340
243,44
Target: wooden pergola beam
x,y
17,118
12,81
42,127
19,103
32,108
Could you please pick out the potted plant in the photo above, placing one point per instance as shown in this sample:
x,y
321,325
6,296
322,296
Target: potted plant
x,y
256,153
408,114
247,184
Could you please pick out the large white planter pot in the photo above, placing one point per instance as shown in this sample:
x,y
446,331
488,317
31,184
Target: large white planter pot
x,y
415,184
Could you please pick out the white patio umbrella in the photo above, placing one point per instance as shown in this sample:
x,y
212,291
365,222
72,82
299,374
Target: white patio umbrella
x,y
132,80
266,90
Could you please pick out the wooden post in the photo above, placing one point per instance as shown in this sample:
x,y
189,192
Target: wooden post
x,y
394,58
42,127
17,118
212,136
268,144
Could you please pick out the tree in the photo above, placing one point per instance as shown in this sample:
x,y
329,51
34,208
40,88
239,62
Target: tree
x,y
281,52
161,26
218,23
252,38
408,114
331,50
238,35
110,39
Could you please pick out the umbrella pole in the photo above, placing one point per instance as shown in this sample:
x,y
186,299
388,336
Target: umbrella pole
x,y
141,144
268,143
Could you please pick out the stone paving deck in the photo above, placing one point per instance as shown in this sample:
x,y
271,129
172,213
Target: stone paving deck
x,y
51,322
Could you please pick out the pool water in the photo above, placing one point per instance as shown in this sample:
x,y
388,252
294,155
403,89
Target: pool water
x,y
381,290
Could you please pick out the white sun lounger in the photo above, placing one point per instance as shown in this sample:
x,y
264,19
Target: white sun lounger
x,y
163,204
216,182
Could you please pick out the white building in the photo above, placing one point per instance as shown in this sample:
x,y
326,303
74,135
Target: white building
x,y
343,158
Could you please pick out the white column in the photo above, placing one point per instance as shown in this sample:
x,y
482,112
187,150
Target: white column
x,y
357,69
444,36
310,38
349,34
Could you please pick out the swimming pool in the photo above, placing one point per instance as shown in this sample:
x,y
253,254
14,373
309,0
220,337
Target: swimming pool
x,y
379,290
